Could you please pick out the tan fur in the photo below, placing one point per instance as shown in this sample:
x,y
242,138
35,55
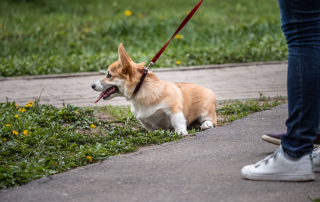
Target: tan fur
x,y
194,101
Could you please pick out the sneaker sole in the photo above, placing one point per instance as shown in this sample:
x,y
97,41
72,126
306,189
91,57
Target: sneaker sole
x,y
290,178
277,141
271,140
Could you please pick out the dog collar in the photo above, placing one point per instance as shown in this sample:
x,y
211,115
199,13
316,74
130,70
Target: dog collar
x,y
143,76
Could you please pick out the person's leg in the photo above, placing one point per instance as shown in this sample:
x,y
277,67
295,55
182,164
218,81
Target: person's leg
x,y
300,22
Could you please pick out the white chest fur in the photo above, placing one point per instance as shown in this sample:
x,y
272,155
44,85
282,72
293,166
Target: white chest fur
x,y
152,117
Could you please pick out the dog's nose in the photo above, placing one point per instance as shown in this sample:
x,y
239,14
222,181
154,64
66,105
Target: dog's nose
x,y
93,85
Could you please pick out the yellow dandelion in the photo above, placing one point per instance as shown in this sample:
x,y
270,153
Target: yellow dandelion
x,y
50,137
178,36
16,105
8,125
161,18
86,29
25,132
16,116
30,102
140,16
89,158
128,13
76,112
22,110
15,132
92,126
4,139
188,12
178,62
27,105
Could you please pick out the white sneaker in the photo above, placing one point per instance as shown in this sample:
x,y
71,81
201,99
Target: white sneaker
x,y
279,168
316,159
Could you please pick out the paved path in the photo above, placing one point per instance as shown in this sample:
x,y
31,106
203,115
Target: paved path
x,y
240,81
203,168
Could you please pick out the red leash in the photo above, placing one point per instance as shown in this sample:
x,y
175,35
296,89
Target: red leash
x,y
154,60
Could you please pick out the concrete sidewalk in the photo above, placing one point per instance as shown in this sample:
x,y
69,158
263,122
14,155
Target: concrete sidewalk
x,y
232,81
202,168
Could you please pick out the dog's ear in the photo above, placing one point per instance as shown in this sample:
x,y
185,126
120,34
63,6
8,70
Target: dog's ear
x,y
125,61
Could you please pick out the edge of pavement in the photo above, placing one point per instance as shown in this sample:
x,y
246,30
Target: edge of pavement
x,y
190,68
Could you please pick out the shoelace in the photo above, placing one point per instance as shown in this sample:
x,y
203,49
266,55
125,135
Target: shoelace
x,y
274,155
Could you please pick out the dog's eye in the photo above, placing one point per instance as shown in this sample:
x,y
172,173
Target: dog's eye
x,y
108,75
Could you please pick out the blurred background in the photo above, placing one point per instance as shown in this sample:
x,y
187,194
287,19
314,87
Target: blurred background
x,y
64,36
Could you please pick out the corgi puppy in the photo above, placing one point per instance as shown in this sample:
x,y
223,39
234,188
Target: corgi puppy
x,y
158,104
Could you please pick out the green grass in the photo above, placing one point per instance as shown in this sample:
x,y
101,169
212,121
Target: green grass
x,y
63,36
314,199
44,140
238,109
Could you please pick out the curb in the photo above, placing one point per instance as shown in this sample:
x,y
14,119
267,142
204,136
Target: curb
x,y
190,68
220,66
50,76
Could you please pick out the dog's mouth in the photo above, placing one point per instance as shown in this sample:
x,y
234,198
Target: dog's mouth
x,y
105,94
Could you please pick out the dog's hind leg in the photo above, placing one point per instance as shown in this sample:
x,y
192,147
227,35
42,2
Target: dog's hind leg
x,y
209,119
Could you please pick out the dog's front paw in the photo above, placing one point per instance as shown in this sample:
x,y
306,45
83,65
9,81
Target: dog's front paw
x,y
206,125
182,132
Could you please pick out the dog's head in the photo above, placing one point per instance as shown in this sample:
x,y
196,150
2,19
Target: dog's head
x,y
121,79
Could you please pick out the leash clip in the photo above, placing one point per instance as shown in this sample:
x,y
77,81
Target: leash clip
x,y
150,65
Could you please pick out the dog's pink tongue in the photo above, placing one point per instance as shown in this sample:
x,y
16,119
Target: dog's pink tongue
x,y
100,96
107,92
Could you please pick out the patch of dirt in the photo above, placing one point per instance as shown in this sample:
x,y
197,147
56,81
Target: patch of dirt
x,y
102,116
